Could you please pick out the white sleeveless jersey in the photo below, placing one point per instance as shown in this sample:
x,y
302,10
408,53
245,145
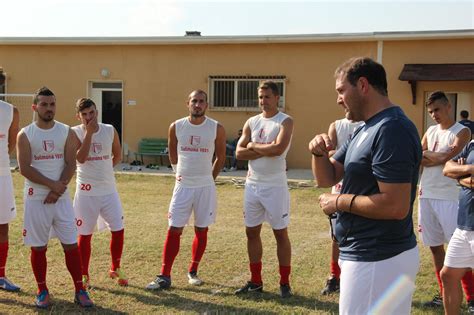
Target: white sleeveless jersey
x,y
196,144
344,131
267,171
433,183
47,156
6,117
95,177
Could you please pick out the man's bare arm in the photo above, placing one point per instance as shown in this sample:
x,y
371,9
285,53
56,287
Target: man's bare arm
x,y
116,149
28,171
431,158
219,145
455,170
280,144
13,130
392,203
242,152
172,145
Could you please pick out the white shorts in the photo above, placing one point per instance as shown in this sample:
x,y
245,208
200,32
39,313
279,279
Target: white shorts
x,y
101,211
44,221
185,199
264,203
460,252
7,200
379,287
437,220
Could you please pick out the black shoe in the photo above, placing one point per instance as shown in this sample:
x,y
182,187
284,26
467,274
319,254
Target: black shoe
x,y
250,287
470,307
285,291
332,286
160,283
437,302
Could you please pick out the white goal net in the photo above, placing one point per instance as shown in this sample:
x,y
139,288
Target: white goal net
x,y
23,103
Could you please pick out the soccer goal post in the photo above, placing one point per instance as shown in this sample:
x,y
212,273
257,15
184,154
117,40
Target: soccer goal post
x,y
23,103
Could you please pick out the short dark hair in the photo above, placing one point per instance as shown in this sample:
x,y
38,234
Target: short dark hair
x,y
84,103
358,67
437,96
265,85
464,114
202,92
44,91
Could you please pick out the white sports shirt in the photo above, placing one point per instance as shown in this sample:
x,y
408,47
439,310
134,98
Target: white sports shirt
x,y
196,144
344,131
95,177
433,183
47,156
267,171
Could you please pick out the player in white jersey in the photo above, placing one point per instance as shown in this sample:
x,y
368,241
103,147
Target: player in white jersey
x,y
438,196
265,142
9,124
339,132
46,151
96,195
192,143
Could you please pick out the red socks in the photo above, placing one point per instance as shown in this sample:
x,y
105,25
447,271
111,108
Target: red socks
x,y
199,246
170,251
335,270
38,264
285,274
3,257
73,263
84,244
440,283
116,247
256,272
468,285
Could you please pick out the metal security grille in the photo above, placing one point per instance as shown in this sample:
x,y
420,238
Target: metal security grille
x,y
23,103
240,92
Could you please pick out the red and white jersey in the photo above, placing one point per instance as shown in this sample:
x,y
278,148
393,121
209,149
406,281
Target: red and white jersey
x,y
267,171
345,128
95,177
47,156
6,117
433,183
196,144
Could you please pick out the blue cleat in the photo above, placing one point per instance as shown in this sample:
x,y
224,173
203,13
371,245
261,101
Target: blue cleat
x,y
82,298
42,299
7,285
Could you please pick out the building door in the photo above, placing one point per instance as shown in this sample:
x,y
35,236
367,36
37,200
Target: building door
x,y
108,98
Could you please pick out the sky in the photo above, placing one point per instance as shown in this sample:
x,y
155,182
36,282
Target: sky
x,y
107,18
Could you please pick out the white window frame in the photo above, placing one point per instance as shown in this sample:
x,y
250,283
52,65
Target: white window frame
x,y
236,79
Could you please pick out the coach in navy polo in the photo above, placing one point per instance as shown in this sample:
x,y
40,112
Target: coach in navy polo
x,y
378,253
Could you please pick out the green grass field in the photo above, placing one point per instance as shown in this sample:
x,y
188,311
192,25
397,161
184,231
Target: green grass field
x,y
224,267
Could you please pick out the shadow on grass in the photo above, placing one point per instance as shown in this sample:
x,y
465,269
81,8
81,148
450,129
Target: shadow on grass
x,y
428,310
173,300
58,306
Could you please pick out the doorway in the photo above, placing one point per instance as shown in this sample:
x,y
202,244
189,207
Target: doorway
x,y
108,98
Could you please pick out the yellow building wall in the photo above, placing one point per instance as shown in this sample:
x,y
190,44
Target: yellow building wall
x,y
159,78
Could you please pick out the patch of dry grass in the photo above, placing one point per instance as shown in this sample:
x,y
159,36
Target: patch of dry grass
x,y
224,267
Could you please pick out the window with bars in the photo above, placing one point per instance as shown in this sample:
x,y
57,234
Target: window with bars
x,y
240,92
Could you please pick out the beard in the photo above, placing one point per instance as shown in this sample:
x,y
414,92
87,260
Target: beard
x,y
355,110
46,117
198,114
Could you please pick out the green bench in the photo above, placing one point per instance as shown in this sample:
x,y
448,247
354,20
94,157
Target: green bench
x,y
155,147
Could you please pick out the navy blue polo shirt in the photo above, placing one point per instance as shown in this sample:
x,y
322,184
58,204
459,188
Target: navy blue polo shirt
x,y
386,149
466,208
